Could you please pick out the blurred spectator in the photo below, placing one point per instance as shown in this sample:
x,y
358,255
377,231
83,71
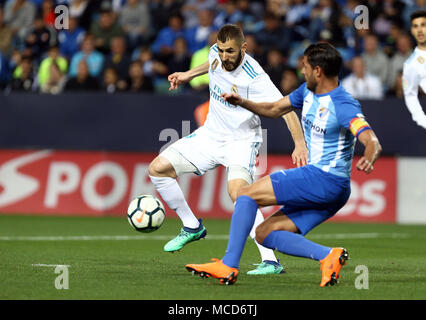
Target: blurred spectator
x,y
191,8
289,81
105,29
163,44
409,9
6,35
56,80
93,58
82,81
151,67
40,38
181,58
393,10
15,60
391,39
201,83
249,21
324,24
111,83
117,5
396,63
273,34
136,22
137,81
24,79
381,26
48,12
397,90
19,16
230,14
4,71
83,11
275,66
162,10
197,36
361,84
297,14
44,69
253,49
118,58
70,39
376,62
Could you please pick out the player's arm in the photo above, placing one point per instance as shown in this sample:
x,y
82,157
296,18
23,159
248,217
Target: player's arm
x,y
266,109
178,78
411,80
371,152
300,155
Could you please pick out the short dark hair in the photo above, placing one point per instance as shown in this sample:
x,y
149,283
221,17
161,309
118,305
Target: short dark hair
x,y
417,14
231,32
326,57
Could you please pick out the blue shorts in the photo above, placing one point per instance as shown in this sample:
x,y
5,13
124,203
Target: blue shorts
x,y
309,195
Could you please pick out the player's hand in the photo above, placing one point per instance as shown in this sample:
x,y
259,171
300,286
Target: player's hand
x,y
176,79
232,98
365,165
300,156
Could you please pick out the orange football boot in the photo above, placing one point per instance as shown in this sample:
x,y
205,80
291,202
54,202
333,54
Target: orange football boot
x,y
331,265
216,269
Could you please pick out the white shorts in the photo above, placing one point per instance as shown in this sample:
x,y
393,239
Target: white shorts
x,y
206,153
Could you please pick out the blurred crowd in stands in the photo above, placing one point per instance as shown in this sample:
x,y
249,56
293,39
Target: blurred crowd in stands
x,y
133,45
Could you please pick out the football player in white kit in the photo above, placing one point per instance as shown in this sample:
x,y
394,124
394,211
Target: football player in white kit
x,y
230,136
414,72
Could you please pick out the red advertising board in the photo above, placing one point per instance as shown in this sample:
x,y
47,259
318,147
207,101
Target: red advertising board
x,y
103,183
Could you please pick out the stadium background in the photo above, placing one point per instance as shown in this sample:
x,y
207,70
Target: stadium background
x,y
74,100
78,129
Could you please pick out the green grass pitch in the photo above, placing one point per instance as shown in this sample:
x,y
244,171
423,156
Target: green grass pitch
x,y
106,259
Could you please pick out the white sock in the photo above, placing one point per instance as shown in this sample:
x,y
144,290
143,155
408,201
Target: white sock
x,y
265,253
172,194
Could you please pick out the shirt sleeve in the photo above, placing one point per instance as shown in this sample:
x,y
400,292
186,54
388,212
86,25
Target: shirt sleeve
x,y
297,96
350,116
212,53
262,89
410,84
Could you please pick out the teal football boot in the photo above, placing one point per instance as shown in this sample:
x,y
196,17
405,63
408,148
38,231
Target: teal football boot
x,y
185,237
267,267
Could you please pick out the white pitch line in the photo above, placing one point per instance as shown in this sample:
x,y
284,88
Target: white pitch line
x,y
50,265
209,237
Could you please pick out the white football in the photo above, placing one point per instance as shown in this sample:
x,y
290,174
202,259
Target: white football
x,y
146,213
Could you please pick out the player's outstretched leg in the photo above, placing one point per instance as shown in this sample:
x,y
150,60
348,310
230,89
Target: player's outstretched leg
x,y
331,265
163,175
216,269
186,236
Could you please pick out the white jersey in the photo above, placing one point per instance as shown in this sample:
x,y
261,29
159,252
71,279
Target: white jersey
x,y
226,121
414,75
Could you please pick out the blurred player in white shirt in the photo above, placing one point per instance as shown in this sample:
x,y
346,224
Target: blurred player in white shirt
x,y
231,136
414,72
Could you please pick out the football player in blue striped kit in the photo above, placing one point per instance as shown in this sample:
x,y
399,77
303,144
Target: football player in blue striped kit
x,y
332,121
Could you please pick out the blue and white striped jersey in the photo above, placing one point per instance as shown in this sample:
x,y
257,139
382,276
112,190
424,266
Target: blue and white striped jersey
x,y
331,122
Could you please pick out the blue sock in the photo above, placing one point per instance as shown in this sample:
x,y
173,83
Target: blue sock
x,y
295,245
241,224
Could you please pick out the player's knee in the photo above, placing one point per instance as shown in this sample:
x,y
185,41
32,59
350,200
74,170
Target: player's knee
x,y
159,168
262,232
244,191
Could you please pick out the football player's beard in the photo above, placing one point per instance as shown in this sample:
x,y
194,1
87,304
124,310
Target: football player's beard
x,y
235,64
